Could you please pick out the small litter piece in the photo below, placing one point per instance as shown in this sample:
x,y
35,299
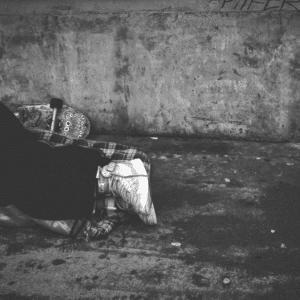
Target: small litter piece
x,y
227,179
258,158
226,282
272,231
163,157
290,164
283,246
176,244
154,137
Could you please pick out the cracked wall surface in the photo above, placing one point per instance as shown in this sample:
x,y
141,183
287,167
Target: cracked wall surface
x,y
170,71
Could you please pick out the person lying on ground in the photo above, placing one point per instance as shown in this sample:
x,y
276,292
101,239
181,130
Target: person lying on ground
x,y
63,187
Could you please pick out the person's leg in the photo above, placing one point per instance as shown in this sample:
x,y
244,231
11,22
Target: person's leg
x,y
71,228
14,217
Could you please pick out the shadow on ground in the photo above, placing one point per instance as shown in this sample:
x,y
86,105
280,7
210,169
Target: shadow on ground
x,y
227,211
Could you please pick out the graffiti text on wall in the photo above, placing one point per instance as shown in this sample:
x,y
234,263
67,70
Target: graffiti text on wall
x,y
261,5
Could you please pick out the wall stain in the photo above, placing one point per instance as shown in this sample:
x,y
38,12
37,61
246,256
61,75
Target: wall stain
x,y
257,43
20,39
46,23
247,60
122,34
209,38
295,66
2,52
118,52
272,39
85,24
122,70
127,93
159,21
121,113
123,117
148,43
118,88
236,72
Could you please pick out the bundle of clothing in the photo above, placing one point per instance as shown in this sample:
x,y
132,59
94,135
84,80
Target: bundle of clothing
x,y
63,183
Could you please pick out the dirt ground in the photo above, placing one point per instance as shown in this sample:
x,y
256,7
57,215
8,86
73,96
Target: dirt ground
x,y
228,214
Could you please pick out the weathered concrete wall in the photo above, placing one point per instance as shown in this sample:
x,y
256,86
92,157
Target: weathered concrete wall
x,y
208,74
113,6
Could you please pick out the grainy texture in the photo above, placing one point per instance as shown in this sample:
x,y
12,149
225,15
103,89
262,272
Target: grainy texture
x,y
198,73
233,207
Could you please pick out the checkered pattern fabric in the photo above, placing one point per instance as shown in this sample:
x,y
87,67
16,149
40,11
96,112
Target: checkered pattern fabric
x,y
96,230
114,151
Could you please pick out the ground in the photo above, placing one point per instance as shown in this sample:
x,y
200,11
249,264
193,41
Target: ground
x,y
228,214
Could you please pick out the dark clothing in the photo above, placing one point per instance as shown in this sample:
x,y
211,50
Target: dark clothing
x,y
45,182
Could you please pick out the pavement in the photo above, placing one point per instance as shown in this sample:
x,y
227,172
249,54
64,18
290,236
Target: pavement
x,y
228,228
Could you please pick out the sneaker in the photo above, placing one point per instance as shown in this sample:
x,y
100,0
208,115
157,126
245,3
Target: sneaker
x,y
128,180
149,219
100,229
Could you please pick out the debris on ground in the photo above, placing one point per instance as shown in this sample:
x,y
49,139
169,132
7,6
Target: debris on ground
x,y
176,244
283,246
226,282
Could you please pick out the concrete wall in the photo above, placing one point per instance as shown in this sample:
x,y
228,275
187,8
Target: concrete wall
x,y
196,68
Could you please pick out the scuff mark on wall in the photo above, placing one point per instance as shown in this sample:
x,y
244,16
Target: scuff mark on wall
x,y
295,66
2,52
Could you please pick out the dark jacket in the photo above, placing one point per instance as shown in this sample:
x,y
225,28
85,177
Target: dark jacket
x,y
45,182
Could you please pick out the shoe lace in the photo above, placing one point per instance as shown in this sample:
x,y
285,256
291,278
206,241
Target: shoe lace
x,y
128,188
113,187
114,184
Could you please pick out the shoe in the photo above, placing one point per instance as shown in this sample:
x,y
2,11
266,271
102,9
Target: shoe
x,y
149,219
128,180
100,229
